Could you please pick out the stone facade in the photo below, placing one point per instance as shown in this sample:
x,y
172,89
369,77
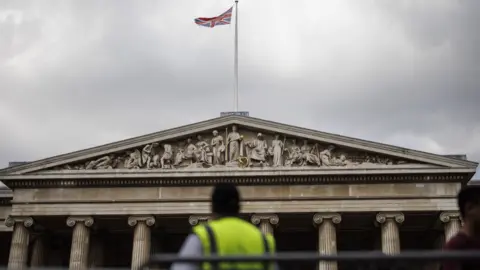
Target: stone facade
x,y
312,190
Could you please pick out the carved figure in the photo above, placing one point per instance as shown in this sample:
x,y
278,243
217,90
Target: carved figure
x,y
377,160
218,148
202,150
166,158
106,162
179,157
277,151
326,156
147,155
309,155
257,149
233,142
190,151
134,160
294,154
343,161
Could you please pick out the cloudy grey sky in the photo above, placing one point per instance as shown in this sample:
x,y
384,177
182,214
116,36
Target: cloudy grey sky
x,y
76,74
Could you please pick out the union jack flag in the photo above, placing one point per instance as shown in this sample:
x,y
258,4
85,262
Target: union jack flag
x,y
223,19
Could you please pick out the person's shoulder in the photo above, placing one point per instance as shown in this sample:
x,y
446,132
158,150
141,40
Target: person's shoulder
x,y
459,241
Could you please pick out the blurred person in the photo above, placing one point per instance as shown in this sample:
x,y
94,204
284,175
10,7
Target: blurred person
x,y
225,235
468,238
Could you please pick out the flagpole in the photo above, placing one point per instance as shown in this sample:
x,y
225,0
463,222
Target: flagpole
x,y
236,57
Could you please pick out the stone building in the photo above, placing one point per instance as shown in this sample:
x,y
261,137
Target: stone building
x,y
115,204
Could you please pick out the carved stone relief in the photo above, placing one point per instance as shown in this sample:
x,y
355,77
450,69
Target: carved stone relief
x,y
238,148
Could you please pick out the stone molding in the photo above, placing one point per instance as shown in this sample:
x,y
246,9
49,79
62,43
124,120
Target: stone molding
x,y
319,218
272,219
27,221
63,179
133,220
382,217
446,217
87,221
197,219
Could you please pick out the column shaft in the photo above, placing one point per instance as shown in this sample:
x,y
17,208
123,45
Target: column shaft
x,y
327,243
452,228
390,237
452,223
266,227
141,245
79,250
390,233
19,247
327,237
38,252
80,247
141,240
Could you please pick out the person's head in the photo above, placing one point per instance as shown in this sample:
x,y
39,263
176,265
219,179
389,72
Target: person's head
x,y
277,136
215,133
225,200
199,137
469,204
234,128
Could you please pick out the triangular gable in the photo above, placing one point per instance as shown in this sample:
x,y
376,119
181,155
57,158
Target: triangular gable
x,y
347,152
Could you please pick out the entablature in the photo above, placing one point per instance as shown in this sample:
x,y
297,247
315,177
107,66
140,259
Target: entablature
x,y
250,177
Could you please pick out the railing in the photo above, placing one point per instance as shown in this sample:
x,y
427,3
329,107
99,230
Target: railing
x,y
346,260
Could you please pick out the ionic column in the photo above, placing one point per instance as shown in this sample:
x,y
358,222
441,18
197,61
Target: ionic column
x,y
194,220
20,237
390,233
265,222
38,252
452,224
80,241
141,240
327,237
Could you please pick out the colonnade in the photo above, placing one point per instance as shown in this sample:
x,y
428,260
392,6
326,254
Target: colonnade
x,y
141,225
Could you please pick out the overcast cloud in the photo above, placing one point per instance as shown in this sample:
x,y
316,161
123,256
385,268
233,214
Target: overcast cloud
x,y
76,74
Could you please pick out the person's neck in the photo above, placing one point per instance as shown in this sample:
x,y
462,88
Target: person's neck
x,y
471,230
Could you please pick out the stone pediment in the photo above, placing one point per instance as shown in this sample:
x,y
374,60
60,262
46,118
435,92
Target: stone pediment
x,y
239,143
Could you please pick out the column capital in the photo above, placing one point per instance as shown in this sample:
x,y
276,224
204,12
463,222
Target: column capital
x,y
398,217
196,219
87,221
11,221
270,218
319,218
149,220
446,217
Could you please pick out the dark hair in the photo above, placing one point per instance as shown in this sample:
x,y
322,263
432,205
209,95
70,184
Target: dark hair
x,y
468,194
225,200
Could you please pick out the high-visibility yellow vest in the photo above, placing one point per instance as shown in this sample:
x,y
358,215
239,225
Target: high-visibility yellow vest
x,y
234,236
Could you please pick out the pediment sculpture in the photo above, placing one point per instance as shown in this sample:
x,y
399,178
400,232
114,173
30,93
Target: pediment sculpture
x,y
235,148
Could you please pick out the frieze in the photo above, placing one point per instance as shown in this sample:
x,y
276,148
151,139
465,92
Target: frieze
x,y
235,148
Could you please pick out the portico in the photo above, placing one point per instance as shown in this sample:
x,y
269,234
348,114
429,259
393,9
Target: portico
x,y
116,204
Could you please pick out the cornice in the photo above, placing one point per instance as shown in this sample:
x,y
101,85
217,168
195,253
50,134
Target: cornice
x,y
278,179
228,172
247,122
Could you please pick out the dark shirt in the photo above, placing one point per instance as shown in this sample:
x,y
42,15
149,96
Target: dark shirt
x,y
461,241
